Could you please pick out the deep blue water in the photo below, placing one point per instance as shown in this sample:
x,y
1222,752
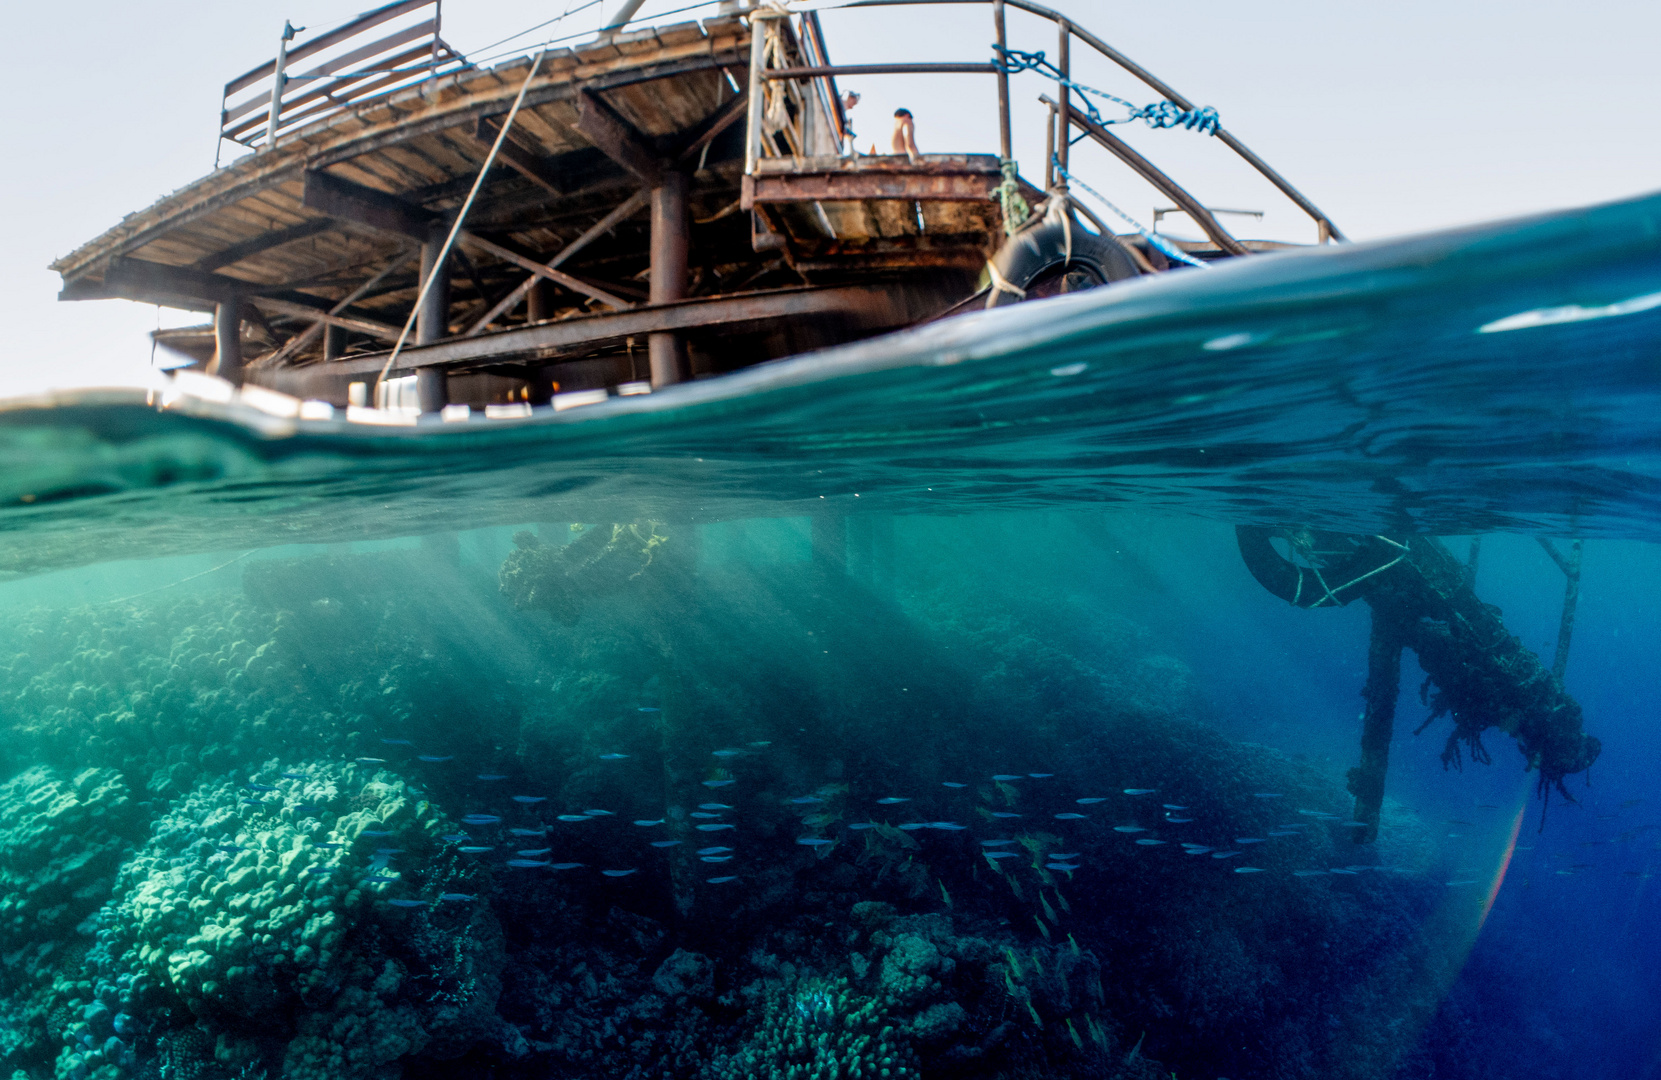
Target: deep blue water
x,y
1000,545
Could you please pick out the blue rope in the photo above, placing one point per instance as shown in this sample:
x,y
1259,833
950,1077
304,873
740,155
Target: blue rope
x,y
1170,250
1161,114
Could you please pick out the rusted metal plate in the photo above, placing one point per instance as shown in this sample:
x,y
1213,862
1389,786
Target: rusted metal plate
x,y
920,187
877,304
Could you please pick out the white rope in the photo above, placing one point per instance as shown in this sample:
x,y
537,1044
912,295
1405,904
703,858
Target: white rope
x,y
1002,284
455,228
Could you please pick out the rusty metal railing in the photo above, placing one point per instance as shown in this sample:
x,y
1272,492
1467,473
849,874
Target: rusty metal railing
x,y
1063,115
262,104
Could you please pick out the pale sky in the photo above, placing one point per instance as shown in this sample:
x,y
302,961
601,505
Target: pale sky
x,y
1394,118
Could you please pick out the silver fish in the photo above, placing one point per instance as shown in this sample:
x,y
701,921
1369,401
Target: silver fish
x,y
813,841
716,783
599,813
617,873
407,903
456,896
1178,820
574,817
1140,790
1071,817
806,800
531,853
1174,806
1004,814
1150,843
369,761
892,800
647,823
613,757
1250,840
702,814
947,826
529,832
1090,801
665,843
729,753
1224,854
1002,854
913,826
1248,869
1063,856
996,843
1129,828
475,849
529,800
434,758
1005,777
713,806
952,784
713,828
527,863
1197,849
480,819
1060,866
566,865
717,850
723,880
715,858
1040,775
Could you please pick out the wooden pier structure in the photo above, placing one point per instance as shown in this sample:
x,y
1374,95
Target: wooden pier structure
x,y
660,204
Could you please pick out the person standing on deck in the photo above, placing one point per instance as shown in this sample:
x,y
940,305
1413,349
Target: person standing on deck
x,y
905,135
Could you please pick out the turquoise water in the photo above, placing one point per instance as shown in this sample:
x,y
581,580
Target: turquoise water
x,y
904,707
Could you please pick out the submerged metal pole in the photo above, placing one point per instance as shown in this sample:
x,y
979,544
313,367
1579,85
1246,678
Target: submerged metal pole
x,y
1378,719
671,227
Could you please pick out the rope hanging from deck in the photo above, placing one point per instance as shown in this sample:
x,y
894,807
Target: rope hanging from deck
x,y
1171,250
1161,114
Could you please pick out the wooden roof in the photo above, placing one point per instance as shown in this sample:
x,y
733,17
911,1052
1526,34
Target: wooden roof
x,y
249,222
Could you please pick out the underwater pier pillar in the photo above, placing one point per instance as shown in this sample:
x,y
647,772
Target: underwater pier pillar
x,y
227,341
671,242
539,302
334,343
1378,721
432,320
830,542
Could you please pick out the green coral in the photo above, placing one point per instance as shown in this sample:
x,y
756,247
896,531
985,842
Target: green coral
x,y
821,1029
241,915
61,840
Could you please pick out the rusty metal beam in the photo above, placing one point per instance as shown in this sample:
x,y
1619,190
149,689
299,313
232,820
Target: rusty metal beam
x,y
264,242
823,186
1155,176
364,205
629,206
617,138
327,317
153,282
516,157
544,270
878,305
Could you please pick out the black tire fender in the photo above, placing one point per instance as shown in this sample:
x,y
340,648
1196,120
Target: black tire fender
x,y
1036,262
1345,575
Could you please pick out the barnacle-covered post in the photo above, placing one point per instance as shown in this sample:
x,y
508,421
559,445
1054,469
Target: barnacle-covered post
x,y
1422,600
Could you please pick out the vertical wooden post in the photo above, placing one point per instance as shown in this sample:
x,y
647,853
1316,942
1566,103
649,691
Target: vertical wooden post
x,y
1064,54
334,342
431,322
1005,148
670,242
227,341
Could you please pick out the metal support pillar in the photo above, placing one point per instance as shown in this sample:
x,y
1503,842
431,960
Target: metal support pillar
x,y
671,228
431,322
1378,720
1064,63
539,302
1570,566
334,343
1005,149
227,341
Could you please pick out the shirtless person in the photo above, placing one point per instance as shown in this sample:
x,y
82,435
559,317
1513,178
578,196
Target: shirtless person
x,y
905,135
